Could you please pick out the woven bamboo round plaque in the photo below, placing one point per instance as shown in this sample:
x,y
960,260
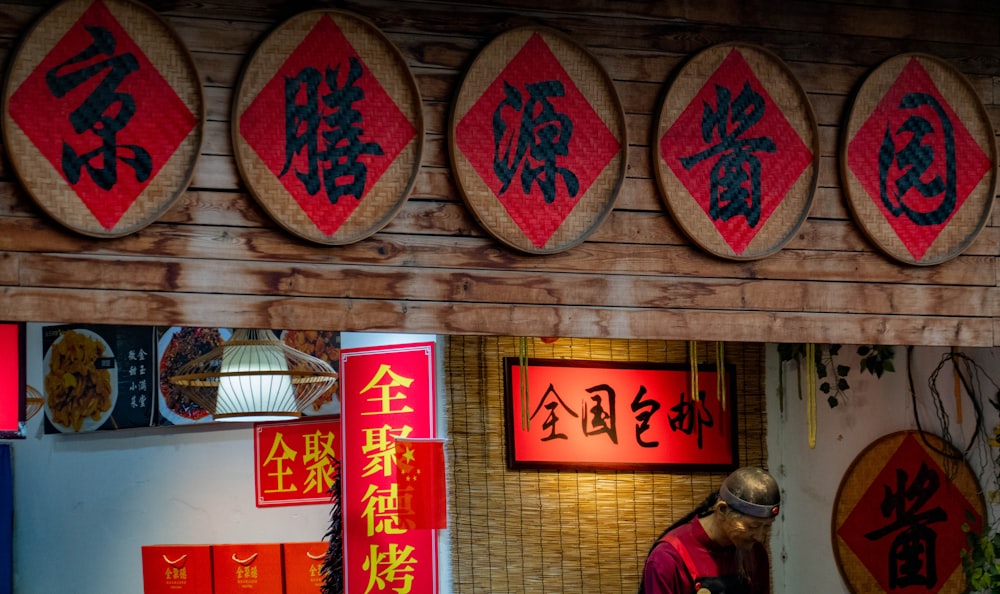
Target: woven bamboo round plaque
x,y
736,151
538,141
103,115
918,160
328,127
898,515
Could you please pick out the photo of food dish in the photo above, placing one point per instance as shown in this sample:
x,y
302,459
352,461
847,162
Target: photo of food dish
x,y
325,346
81,381
177,347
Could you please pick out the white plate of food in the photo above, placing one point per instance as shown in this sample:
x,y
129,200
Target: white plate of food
x,y
324,345
81,381
178,346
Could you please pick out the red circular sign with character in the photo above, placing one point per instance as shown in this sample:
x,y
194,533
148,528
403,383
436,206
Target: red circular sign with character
x,y
538,141
899,512
736,153
103,115
328,127
918,163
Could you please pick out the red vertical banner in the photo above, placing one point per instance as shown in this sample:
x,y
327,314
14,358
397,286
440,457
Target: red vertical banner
x,y
12,379
387,394
293,461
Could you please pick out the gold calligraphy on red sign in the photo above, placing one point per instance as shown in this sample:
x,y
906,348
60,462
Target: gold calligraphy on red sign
x,y
387,394
294,461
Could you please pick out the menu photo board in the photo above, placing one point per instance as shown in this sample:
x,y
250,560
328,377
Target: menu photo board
x,y
97,377
12,380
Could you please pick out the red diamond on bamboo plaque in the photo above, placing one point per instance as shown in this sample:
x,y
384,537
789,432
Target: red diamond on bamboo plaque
x,y
906,528
325,126
734,152
97,109
916,160
536,141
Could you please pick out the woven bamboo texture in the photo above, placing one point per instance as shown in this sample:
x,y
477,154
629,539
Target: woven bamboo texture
x,y
384,198
566,531
971,216
44,182
787,95
592,206
859,478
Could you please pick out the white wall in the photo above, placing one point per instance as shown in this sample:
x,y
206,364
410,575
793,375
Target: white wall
x,y
802,545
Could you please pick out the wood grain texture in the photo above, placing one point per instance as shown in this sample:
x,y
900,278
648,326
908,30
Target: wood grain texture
x,y
215,257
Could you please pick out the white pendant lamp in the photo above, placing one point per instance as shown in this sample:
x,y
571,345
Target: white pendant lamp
x,y
254,376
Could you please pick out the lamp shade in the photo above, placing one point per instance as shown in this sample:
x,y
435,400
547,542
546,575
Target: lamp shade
x,y
254,376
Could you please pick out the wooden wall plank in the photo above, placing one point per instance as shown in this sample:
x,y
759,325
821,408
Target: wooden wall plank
x,y
508,286
125,307
216,258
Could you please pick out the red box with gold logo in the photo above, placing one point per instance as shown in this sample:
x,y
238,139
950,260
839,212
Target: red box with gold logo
x,y
177,569
304,566
247,568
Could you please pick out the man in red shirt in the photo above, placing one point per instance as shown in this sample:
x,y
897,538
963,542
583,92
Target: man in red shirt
x,y
720,546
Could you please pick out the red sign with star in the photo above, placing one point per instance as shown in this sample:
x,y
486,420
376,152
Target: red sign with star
x,y
387,392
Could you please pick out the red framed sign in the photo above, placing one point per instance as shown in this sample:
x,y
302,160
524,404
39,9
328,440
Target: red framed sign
x,y
12,380
602,414
387,393
293,461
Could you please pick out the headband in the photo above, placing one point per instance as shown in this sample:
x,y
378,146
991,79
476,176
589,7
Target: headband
x,y
745,507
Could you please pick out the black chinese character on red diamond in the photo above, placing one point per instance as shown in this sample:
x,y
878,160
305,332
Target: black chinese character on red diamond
x,y
328,133
736,166
912,559
105,112
538,139
914,161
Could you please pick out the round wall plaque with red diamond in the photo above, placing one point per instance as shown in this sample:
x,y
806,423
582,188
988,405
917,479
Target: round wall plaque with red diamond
x,y
538,141
898,515
103,115
328,127
918,160
736,151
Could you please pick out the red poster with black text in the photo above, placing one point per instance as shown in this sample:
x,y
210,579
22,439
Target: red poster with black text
x,y
387,393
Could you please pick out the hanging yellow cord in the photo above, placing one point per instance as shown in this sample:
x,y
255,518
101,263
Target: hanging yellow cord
x,y
693,359
720,373
522,360
958,386
811,393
